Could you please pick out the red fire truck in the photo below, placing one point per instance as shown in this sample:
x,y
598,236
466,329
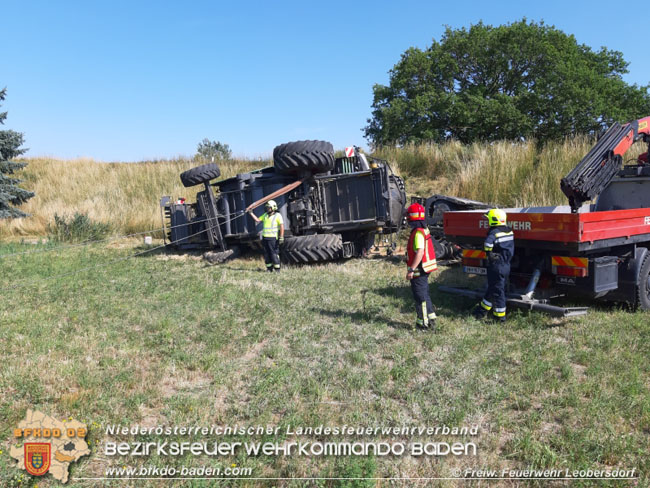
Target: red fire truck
x,y
598,250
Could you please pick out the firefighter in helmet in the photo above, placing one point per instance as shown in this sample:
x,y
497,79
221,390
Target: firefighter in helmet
x,y
272,234
499,246
421,260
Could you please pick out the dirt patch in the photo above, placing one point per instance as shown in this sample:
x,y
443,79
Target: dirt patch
x,y
151,417
254,351
550,427
579,371
178,257
175,382
220,403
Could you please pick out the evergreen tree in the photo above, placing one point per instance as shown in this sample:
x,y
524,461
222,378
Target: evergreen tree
x,y
10,193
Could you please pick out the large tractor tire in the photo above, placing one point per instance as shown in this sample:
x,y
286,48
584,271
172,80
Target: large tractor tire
x,y
304,156
312,249
200,174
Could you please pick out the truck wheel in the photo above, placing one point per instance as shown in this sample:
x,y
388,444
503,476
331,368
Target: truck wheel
x,y
200,174
294,157
643,287
312,249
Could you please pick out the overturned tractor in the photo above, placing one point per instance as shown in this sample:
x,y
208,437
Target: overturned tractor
x,y
332,207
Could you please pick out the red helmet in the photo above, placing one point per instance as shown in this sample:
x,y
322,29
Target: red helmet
x,y
415,212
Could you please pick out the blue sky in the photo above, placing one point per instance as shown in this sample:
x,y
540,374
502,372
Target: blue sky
x,y
127,81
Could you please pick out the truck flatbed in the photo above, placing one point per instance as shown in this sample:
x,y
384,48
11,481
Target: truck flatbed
x,y
599,250
556,227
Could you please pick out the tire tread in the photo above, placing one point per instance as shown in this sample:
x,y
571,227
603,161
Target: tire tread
x,y
312,249
200,174
294,157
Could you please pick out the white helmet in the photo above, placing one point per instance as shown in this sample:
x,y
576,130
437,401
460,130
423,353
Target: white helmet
x,y
272,205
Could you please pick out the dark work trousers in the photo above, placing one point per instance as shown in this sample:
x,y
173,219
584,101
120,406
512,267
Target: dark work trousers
x,y
497,276
271,249
420,289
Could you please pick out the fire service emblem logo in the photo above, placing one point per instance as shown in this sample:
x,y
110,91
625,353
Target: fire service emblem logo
x,y
37,458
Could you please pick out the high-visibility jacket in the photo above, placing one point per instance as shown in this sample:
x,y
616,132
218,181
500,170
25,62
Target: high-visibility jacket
x,y
271,224
428,263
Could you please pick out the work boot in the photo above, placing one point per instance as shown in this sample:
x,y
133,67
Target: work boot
x,y
499,320
432,320
269,269
479,313
419,324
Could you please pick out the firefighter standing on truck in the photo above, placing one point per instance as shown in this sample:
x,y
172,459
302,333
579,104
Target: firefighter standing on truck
x,y
272,234
421,260
499,246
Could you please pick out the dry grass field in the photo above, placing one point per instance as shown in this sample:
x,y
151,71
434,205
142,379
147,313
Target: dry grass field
x,y
506,173
126,195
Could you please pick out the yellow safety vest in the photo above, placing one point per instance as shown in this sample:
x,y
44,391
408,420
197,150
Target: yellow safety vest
x,y
271,224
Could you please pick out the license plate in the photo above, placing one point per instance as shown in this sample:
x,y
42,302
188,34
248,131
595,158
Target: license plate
x,y
566,280
474,270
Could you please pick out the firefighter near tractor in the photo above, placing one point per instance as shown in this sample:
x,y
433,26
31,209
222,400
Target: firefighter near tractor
x,y
332,208
598,250
420,262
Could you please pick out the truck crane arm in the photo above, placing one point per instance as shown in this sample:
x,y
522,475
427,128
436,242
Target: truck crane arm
x,y
596,170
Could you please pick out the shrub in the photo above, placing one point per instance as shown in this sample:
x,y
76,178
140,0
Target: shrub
x,y
79,228
208,150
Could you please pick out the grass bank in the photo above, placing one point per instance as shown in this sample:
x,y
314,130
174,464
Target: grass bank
x,y
503,172
124,195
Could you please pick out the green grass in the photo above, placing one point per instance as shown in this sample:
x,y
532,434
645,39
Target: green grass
x,y
168,340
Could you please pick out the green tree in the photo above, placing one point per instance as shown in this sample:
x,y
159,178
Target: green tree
x,y
10,193
523,79
208,150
